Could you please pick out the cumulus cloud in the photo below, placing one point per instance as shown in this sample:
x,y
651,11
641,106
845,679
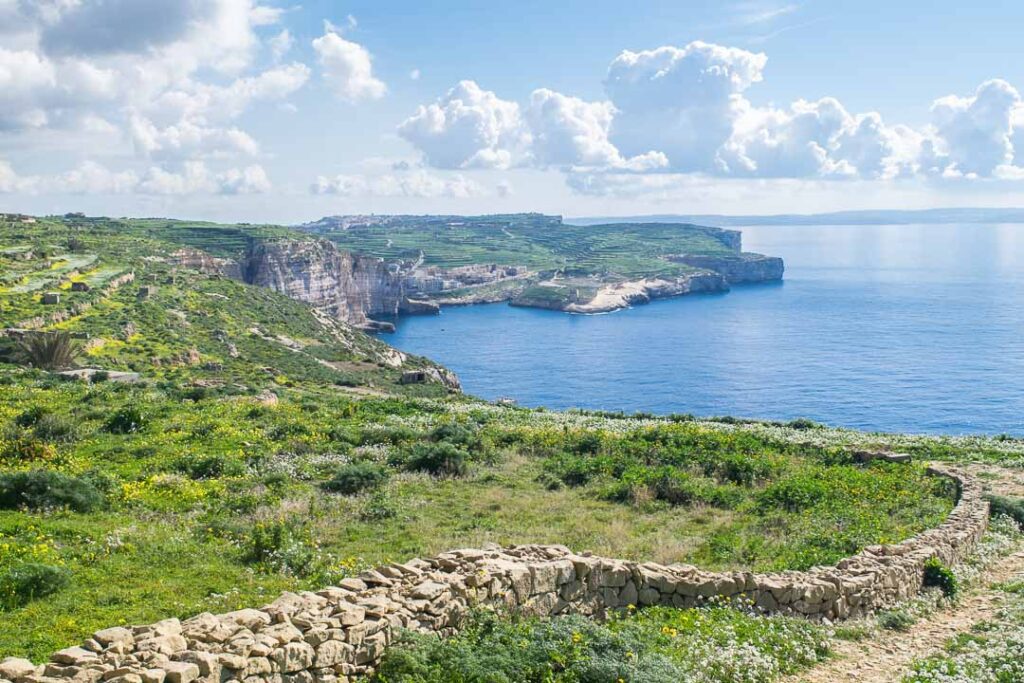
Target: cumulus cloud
x,y
679,101
167,77
685,110
973,133
347,68
414,184
188,139
468,128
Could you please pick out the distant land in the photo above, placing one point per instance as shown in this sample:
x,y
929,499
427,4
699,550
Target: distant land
x,y
538,261
865,217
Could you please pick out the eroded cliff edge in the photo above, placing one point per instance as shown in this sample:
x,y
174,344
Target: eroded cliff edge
x,y
366,291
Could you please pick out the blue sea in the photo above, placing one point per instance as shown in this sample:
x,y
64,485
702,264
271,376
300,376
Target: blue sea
x,y
910,328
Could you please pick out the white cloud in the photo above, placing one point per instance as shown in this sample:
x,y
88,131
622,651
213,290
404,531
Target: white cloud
x,y
413,184
468,128
189,140
280,44
679,101
90,177
973,134
249,180
414,75
678,110
347,68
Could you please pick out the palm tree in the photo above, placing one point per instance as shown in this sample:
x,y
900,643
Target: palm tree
x,y
50,350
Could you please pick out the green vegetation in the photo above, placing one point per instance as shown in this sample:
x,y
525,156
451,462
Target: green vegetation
x,y
176,325
942,577
255,446
219,501
538,242
51,350
718,644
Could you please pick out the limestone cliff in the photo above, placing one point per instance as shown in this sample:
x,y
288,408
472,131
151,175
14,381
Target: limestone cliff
x,y
349,287
741,268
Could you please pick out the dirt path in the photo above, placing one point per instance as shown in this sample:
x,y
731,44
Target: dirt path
x,y
886,657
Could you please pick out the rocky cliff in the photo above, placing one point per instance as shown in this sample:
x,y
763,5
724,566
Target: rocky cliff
x,y
738,269
362,290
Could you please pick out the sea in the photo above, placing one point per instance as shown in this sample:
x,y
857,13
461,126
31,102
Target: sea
x,y
905,328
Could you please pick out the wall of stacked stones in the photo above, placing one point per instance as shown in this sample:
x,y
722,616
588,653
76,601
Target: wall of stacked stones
x,y
339,633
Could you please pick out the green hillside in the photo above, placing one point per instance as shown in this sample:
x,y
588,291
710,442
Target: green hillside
x,y
538,242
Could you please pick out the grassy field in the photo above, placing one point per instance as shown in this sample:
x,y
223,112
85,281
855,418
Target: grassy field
x,y
264,448
538,242
213,501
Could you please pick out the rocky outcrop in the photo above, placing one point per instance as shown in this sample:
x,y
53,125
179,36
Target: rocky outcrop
x,y
349,287
614,296
340,633
197,259
738,269
364,290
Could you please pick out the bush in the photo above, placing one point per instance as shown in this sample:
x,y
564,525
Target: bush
x,y
896,620
127,420
379,506
30,417
939,575
457,434
356,478
440,459
42,489
55,429
1010,507
279,545
26,450
210,467
23,583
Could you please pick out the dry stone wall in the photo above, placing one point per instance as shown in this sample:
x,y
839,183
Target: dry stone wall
x,y
337,634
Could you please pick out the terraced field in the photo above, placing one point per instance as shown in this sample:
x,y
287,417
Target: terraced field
x,y
538,242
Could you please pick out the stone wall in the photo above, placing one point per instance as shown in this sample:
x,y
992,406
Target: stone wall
x,y
339,633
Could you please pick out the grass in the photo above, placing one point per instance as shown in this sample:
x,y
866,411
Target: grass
x,y
192,484
657,645
199,490
540,243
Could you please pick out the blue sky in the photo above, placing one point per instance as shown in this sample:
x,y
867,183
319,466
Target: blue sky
x,y
232,109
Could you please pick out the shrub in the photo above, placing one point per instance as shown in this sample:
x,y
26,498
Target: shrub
x,y
939,575
279,545
356,478
802,424
378,506
210,466
1010,507
896,620
55,429
440,459
26,450
793,494
23,583
50,350
30,417
42,489
127,420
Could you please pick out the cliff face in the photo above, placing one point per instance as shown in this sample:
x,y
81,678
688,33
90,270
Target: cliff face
x,y
349,287
362,289
738,269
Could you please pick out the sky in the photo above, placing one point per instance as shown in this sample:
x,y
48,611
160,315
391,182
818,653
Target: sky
x,y
274,111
